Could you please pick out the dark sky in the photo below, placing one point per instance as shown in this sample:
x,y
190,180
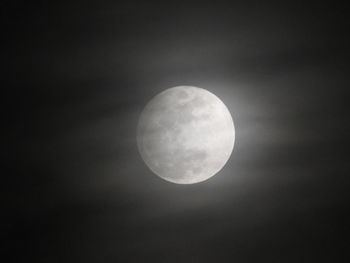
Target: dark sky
x,y
80,74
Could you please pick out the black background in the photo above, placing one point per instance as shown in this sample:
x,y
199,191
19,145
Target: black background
x,y
79,75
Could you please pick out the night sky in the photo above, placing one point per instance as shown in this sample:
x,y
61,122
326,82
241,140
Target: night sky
x,y
79,76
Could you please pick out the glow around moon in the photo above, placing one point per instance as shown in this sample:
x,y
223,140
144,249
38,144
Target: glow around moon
x,y
185,135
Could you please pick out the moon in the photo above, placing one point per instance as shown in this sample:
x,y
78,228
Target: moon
x,y
185,135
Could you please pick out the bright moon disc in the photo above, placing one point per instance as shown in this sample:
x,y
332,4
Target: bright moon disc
x,y
185,135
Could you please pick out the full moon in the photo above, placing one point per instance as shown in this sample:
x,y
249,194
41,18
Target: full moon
x,y
185,135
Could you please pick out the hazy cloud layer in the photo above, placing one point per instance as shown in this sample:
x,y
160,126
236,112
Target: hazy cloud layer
x,y
81,75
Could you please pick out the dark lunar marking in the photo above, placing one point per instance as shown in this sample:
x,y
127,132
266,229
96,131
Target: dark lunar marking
x,y
182,94
197,170
181,161
185,116
168,123
198,102
198,156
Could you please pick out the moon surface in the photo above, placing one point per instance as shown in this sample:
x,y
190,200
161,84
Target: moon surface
x,y
185,135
